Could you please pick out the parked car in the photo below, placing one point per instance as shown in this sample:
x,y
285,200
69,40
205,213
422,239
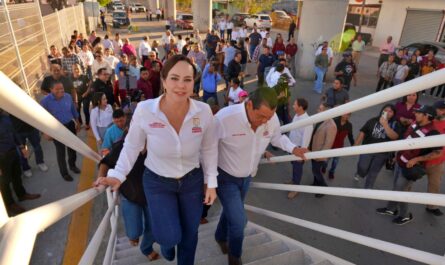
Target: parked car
x,y
238,19
280,19
425,46
120,19
184,21
261,20
136,7
118,6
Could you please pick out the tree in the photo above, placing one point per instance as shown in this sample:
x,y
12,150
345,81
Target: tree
x,y
103,2
253,6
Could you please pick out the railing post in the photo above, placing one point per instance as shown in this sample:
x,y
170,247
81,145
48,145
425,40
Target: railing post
x,y
60,28
16,47
43,26
3,213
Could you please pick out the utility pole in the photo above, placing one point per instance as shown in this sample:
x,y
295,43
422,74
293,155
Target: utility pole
x,y
361,16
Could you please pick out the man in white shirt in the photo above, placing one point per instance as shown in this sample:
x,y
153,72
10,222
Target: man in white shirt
x,y
107,43
242,32
222,27
244,131
99,63
144,49
329,51
117,45
87,59
229,27
301,137
273,75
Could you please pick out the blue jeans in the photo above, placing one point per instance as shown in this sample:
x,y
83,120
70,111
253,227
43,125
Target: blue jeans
x,y
318,174
252,50
297,171
34,139
231,192
318,87
221,32
334,164
400,184
175,207
369,166
208,95
137,222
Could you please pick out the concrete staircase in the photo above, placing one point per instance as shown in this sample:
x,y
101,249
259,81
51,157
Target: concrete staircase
x,y
261,247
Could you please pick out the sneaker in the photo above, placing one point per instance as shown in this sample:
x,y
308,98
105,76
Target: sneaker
x,y
331,175
43,167
318,196
386,211
75,169
323,170
356,177
27,173
402,220
435,212
203,221
292,194
67,177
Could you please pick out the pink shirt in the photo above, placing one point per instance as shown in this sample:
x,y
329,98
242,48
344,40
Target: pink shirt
x,y
389,47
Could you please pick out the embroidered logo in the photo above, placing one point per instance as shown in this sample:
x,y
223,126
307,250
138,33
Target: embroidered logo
x,y
239,134
158,125
196,125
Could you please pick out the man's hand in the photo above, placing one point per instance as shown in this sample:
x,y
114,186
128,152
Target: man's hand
x,y
383,121
210,195
99,142
412,162
114,183
25,152
77,126
299,152
268,155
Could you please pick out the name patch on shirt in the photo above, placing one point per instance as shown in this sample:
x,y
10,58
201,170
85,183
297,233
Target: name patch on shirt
x,y
196,125
266,133
239,134
157,125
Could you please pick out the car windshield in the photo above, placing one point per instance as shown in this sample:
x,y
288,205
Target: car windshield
x,y
187,17
264,17
139,5
119,15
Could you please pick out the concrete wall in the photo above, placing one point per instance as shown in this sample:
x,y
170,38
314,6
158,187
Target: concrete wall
x,y
320,20
202,15
393,14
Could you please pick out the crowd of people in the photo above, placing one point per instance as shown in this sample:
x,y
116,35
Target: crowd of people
x,y
182,138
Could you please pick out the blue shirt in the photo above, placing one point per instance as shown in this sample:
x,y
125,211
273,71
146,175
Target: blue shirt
x,y
112,135
265,61
63,109
229,54
210,80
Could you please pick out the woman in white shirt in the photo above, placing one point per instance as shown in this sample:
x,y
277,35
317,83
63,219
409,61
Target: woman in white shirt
x,y
179,133
234,90
101,117
401,72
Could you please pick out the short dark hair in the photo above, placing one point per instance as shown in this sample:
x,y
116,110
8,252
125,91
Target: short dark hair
x,y
264,96
101,70
302,102
339,80
279,68
236,80
172,61
143,68
118,113
106,36
97,97
56,82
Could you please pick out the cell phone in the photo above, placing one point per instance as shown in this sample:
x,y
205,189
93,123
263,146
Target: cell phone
x,y
385,115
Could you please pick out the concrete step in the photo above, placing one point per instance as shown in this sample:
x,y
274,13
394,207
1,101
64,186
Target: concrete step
x,y
294,257
211,232
323,262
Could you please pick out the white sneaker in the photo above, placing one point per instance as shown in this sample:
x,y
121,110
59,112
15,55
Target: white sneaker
x,y
28,173
356,177
43,167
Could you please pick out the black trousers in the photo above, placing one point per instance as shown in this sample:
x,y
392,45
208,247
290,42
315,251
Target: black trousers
x,y
291,35
383,58
440,89
61,150
382,84
11,173
283,113
229,34
317,167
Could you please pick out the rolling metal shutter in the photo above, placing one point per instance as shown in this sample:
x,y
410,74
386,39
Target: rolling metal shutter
x,y
421,25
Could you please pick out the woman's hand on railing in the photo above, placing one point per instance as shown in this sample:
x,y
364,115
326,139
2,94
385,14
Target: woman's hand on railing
x,y
114,183
210,195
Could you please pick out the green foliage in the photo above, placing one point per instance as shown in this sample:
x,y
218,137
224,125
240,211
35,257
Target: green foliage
x,y
184,5
103,2
253,6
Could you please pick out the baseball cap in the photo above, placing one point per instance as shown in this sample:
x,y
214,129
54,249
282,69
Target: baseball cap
x,y
242,94
347,54
427,110
439,104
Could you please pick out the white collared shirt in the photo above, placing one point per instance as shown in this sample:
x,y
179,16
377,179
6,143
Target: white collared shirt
x,y
329,52
240,148
301,137
170,154
273,76
144,48
100,118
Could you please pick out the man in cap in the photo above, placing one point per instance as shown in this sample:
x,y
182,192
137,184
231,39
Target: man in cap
x,y
346,70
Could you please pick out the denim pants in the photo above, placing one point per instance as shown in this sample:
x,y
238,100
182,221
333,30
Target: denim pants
x,y
61,151
317,172
400,184
137,223
334,164
369,166
206,95
231,192
34,138
221,32
297,171
84,104
320,72
252,50
175,207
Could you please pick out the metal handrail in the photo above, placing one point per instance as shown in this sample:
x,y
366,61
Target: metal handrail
x,y
406,252
17,236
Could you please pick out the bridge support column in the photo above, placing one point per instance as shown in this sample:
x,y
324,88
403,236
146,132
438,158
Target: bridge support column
x,y
202,15
170,9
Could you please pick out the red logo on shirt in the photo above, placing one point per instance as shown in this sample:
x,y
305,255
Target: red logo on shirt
x,y
196,130
157,125
266,133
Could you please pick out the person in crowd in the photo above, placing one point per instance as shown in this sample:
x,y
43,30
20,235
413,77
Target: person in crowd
x,y
102,20
234,69
269,41
211,42
405,111
254,40
229,53
128,48
386,73
135,212
323,138
243,95
240,46
219,56
101,117
167,198
242,32
379,129
414,68
233,92
107,43
335,95
25,132
429,58
155,78
427,68
329,52
87,58
82,84
187,46
68,59
54,56
166,37
291,51
124,63
346,70
344,129
235,34
229,28
144,49
300,137
410,165
210,80
282,90
386,49
56,76
435,167
291,30
401,72
143,83
198,55
117,44
399,56
92,36
103,84
61,106
171,47
100,63
274,74
265,61
158,14
238,162
358,46
152,58
278,46
321,66
10,145
135,68
222,25
111,59
97,44
115,132
180,43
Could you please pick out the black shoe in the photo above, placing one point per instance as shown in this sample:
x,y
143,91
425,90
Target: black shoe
x,y
28,196
331,175
168,253
67,177
435,212
386,211
234,260
223,246
75,169
402,220
319,195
